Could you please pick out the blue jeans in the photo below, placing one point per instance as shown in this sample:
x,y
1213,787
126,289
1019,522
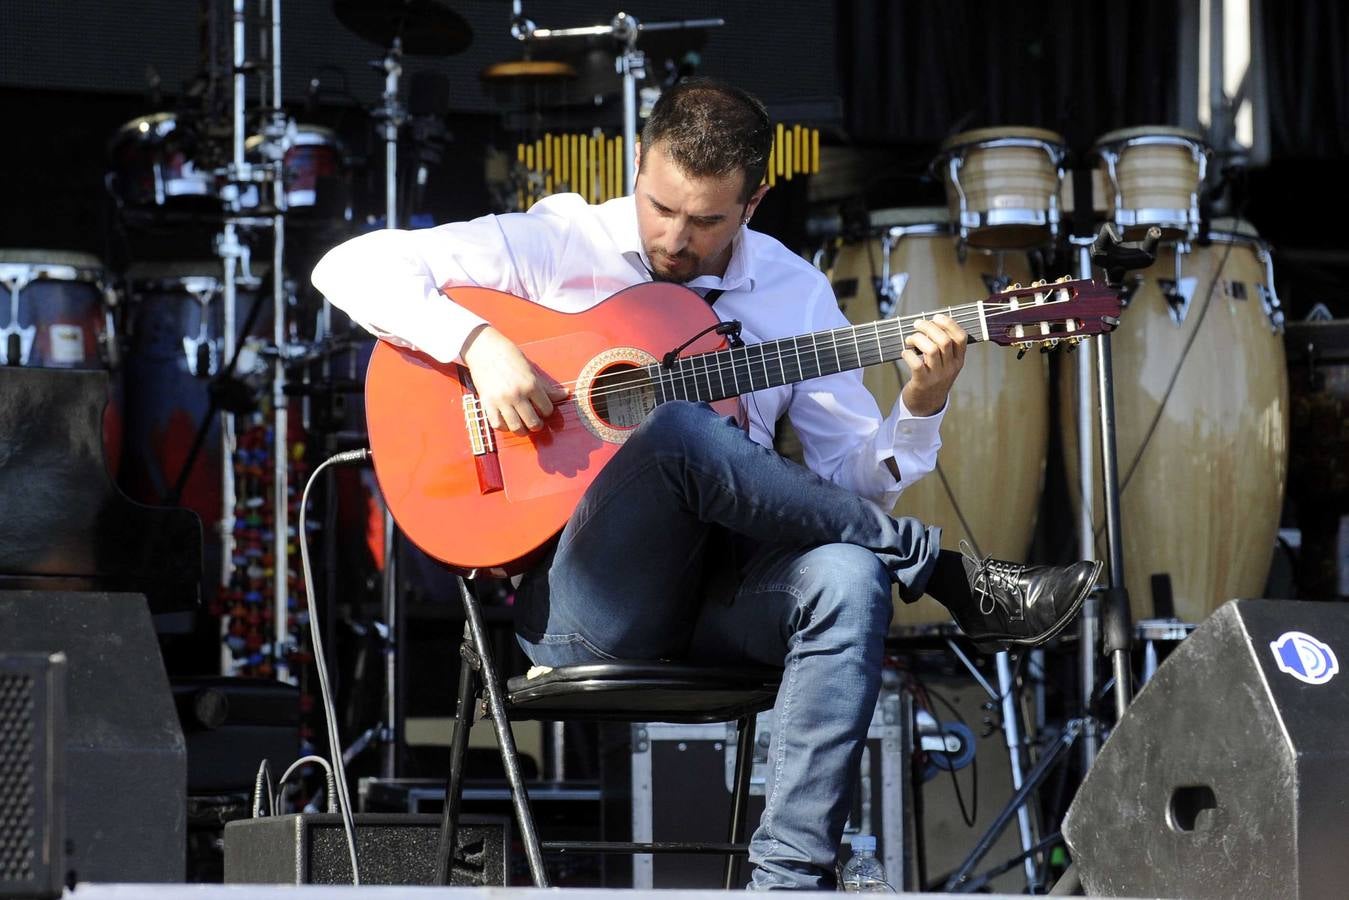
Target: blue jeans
x,y
694,542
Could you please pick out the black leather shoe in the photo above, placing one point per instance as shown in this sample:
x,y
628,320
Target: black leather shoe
x,y
1018,604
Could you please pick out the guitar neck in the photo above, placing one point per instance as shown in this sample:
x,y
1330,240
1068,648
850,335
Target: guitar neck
x,y
709,377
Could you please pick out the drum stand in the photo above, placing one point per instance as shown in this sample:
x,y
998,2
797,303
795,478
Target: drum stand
x,y
231,250
630,62
1115,257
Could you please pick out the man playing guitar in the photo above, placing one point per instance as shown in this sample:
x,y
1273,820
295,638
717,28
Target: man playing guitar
x,y
697,540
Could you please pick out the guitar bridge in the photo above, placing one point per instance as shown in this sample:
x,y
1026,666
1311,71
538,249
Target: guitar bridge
x,y
482,440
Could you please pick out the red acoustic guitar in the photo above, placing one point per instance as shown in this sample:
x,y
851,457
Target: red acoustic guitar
x,y
481,499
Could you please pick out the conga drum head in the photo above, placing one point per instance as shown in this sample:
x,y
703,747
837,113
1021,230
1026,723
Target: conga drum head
x,y
1002,186
1201,406
1154,174
995,429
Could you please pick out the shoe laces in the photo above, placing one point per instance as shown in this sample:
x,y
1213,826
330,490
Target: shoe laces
x,y
990,573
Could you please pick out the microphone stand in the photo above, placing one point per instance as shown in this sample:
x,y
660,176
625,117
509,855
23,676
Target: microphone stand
x,y
1115,257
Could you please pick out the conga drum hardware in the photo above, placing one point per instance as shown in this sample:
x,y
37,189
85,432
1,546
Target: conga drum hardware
x,y
1154,174
1003,186
67,328
889,285
1203,431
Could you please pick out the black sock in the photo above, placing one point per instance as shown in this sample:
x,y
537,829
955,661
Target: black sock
x,y
948,584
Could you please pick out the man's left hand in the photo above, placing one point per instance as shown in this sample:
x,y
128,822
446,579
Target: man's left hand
x,y
934,352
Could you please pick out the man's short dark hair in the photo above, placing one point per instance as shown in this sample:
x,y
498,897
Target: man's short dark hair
x,y
710,129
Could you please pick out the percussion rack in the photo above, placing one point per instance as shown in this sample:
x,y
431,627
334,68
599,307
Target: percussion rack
x,y
240,173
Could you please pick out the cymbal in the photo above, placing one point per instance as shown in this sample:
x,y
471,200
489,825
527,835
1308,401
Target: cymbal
x,y
528,71
426,27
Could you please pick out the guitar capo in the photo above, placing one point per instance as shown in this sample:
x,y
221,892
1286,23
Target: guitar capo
x,y
729,330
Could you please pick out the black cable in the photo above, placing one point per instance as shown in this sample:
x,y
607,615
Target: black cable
x,y
969,817
348,457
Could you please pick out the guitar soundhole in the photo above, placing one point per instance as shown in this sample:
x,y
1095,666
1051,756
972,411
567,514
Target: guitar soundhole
x,y
622,396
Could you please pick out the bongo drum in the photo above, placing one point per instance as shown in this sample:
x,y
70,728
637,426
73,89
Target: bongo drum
x,y
153,174
59,313
1201,406
1002,186
1153,176
986,489
314,176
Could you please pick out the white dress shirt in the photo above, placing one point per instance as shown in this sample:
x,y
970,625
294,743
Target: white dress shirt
x,y
569,255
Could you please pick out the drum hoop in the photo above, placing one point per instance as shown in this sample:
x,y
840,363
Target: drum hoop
x,y
1039,218
1158,135
1184,219
42,271
976,136
1056,152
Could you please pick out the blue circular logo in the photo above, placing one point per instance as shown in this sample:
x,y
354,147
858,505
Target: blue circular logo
x,y
1304,657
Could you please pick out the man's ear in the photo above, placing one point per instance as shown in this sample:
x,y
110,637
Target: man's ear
x,y
636,157
754,199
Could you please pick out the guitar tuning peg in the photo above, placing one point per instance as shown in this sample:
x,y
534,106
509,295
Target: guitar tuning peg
x,y
1062,279
1014,286
1021,351
1040,282
1071,344
1048,346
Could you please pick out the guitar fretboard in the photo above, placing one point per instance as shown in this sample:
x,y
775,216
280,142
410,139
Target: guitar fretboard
x,y
708,377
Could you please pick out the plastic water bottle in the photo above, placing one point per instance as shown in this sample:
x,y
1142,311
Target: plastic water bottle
x,y
864,872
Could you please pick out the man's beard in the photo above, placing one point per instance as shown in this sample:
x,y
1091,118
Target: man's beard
x,y
670,277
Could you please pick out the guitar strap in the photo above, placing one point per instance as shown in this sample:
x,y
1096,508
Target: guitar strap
x,y
712,295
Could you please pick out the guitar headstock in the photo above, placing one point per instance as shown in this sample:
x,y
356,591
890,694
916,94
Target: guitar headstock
x,y
1051,313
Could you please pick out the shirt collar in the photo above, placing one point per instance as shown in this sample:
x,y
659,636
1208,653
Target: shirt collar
x,y
619,217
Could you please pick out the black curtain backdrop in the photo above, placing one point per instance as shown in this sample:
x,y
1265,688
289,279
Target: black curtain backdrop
x,y
1306,43
915,71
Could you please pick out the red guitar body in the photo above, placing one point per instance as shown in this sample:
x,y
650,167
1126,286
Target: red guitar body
x,y
493,510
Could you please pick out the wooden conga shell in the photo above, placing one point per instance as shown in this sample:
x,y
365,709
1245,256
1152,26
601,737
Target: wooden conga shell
x,y
1203,493
995,432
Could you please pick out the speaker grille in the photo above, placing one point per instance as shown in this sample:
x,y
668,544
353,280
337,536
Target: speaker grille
x,y
18,838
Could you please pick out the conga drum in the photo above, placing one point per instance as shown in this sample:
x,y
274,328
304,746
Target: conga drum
x,y
1153,176
58,312
1002,186
176,336
1201,404
986,489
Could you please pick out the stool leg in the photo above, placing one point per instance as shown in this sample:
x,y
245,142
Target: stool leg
x,y
744,764
454,787
496,710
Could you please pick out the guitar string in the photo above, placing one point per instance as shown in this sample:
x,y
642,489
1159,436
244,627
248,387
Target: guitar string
x,y
846,335
570,403
838,338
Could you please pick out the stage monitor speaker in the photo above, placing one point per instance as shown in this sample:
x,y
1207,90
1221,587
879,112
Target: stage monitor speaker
x,y
392,848
32,760
126,763
1229,775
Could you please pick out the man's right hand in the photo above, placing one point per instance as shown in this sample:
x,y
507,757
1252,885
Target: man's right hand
x,y
515,397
